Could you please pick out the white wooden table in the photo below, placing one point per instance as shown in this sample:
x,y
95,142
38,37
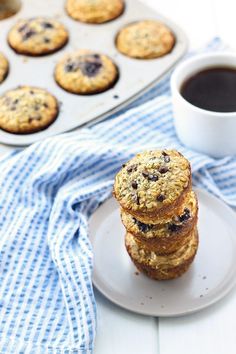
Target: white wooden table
x,y
211,331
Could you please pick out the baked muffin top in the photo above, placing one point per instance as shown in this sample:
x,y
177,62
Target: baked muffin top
x,y
152,181
86,72
37,36
27,109
94,11
180,223
145,40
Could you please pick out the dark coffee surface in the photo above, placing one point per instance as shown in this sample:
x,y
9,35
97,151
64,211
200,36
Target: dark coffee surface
x,y
213,89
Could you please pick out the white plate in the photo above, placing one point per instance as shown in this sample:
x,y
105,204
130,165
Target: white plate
x,y
211,276
136,76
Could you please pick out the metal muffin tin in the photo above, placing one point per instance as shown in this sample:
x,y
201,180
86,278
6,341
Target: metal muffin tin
x,y
136,76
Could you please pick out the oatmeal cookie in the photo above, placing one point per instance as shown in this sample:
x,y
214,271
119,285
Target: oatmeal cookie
x,y
85,72
27,109
162,267
164,238
153,184
145,40
94,11
37,36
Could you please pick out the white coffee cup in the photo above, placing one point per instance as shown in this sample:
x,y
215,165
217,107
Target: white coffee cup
x,y
212,133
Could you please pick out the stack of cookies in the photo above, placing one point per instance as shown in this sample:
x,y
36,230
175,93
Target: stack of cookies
x,y
159,211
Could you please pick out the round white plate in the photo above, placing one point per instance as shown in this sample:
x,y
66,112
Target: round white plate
x,y
210,277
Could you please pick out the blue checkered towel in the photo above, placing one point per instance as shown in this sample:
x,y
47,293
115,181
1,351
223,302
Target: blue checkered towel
x,y
48,191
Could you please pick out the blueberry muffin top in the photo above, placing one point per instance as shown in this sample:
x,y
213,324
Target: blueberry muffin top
x,y
27,109
152,182
145,40
37,36
94,11
86,72
179,223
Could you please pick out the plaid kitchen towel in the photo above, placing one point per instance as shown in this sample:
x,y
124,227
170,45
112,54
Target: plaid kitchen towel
x,y
48,191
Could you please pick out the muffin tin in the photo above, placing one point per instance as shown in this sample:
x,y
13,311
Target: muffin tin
x,y
136,76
